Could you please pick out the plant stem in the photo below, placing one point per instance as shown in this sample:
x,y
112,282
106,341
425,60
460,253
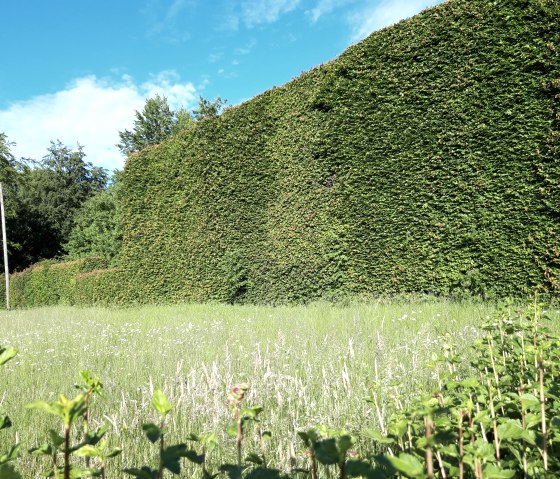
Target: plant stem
x,y
313,459
523,423
161,446
239,435
461,452
261,443
543,414
429,456
494,422
86,423
342,470
441,467
67,451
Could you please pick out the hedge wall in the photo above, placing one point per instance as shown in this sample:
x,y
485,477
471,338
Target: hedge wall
x,y
100,287
49,282
423,159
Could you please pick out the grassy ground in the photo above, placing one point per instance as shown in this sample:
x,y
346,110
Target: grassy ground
x,y
306,365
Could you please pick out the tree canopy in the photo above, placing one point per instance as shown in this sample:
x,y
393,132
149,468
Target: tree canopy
x,y
42,199
157,122
97,230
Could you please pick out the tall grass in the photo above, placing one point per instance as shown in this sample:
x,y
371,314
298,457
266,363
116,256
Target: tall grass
x,y
305,365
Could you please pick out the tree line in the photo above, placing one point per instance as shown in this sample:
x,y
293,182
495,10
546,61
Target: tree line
x,y
65,206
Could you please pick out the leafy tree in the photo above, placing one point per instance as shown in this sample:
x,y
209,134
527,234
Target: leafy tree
x,y
8,170
153,125
209,109
157,121
6,157
183,121
11,172
48,194
97,230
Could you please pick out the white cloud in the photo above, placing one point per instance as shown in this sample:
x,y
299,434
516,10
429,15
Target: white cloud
x,y
246,49
255,12
90,111
323,7
166,19
384,13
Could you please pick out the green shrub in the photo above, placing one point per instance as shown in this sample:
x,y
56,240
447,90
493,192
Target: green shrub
x,y
49,282
99,287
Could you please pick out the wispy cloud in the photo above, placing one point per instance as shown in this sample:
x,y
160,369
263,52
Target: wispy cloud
x,y
256,12
323,7
166,21
90,111
384,13
246,49
214,57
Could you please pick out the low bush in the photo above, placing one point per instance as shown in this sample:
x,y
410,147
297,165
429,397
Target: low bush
x,y
99,287
48,282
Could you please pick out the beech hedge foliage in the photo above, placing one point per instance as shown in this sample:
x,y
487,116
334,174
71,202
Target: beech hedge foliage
x,y
424,159
50,282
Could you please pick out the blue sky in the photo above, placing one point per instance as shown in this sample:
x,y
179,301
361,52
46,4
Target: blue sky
x,y
76,70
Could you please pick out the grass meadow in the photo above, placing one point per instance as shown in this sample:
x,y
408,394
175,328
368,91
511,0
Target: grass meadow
x,y
306,366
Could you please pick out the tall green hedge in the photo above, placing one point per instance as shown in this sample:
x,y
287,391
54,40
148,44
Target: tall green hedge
x,y
100,287
48,282
423,159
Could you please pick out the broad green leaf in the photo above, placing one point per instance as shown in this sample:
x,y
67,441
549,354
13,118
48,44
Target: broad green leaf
x,y
233,471
6,354
172,464
231,430
52,408
11,455
44,449
470,383
79,473
263,473
358,468
530,402
8,471
152,431
254,458
309,437
144,473
343,444
193,456
210,441
113,452
406,464
251,412
377,436
5,422
56,439
327,452
67,409
89,451
95,437
193,437
491,471
511,429
160,403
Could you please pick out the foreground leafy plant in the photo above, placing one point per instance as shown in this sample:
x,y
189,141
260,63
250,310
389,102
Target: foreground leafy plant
x,y
89,445
7,471
501,422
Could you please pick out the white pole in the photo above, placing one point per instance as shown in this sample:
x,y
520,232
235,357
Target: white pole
x,y
5,245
